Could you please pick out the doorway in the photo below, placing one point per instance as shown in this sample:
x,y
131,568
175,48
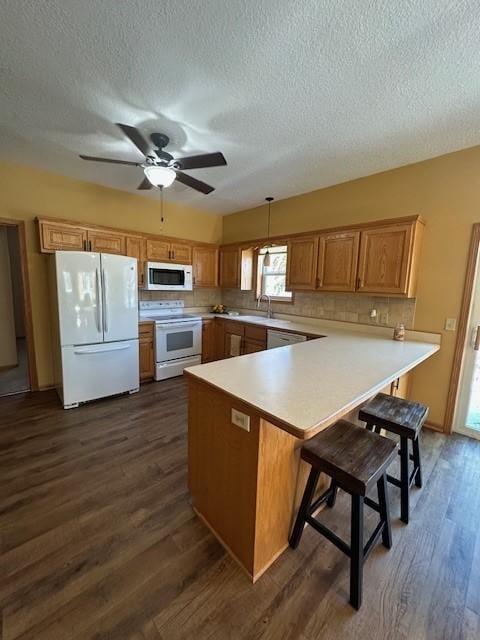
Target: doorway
x,y
17,368
466,413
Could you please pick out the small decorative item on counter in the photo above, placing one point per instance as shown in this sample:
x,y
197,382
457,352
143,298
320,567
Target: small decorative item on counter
x,y
219,308
399,332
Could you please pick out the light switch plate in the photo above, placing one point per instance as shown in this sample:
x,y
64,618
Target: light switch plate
x,y
241,420
450,324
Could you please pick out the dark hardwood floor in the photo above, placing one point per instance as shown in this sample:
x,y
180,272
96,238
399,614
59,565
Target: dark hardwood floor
x,y
98,540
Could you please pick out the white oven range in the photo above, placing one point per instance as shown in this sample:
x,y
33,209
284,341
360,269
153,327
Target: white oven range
x,y
177,336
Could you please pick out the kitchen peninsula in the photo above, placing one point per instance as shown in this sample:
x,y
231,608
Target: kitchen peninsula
x,y
249,415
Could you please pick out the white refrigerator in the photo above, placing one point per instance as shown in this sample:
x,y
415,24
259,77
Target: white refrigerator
x,y
97,325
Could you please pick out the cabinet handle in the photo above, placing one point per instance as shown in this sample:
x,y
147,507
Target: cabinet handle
x,y
477,339
319,282
359,283
173,255
84,245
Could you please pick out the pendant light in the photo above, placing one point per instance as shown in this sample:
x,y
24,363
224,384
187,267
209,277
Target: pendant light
x,y
266,257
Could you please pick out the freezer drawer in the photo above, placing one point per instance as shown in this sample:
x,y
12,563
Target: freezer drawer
x,y
99,370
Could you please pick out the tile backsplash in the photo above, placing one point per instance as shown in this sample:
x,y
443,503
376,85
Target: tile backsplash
x,y
329,306
334,306
195,298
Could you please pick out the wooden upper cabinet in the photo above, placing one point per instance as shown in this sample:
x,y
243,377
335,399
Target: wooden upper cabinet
x,y
135,247
106,242
55,236
386,255
165,251
337,261
205,266
158,250
302,254
230,267
180,253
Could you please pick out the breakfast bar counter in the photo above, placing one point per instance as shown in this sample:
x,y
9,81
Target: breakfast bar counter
x,y
248,416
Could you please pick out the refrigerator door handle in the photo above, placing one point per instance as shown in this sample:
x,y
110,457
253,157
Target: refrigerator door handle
x,y
87,351
105,293
97,286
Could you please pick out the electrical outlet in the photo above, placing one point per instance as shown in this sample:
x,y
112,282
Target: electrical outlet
x,y
241,420
450,324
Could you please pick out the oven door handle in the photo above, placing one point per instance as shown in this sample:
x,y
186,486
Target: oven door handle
x,y
166,326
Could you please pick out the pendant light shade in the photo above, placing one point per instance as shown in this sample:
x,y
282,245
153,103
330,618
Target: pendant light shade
x,y
266,257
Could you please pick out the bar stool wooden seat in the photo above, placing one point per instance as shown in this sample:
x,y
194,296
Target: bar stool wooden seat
x,y
355,459
406,419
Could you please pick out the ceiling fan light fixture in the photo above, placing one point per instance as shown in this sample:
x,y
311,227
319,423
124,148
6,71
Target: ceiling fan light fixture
x,y
159,176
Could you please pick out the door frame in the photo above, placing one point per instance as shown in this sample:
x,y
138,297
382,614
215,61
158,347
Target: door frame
x,y
472,265
27,303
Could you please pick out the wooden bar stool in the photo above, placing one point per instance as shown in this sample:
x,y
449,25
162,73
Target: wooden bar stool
x,y
406,419
355,460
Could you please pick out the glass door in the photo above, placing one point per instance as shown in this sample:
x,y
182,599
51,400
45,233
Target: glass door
x,y
467,417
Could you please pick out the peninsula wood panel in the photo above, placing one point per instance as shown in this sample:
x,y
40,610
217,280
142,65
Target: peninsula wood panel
x,y
385,254
106,242
55,236
337,261
302,255
205,266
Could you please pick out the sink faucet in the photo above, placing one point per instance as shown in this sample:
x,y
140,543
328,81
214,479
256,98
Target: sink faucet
x,y
269,304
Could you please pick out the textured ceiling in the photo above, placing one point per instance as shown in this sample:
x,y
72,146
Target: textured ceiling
x,y
297,95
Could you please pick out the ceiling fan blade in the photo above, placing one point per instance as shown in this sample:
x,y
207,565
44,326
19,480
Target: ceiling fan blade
x,y
110,160
199,162
198,185
136,137
145,184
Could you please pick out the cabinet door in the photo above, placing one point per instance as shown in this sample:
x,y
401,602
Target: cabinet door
x,y
302,255
234,333
383,265
158,250
146,355
61,237
208,341
337,261
135,247
106,242
180,253
230,268
205,266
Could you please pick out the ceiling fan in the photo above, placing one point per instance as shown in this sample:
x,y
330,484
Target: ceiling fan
x,y
160,167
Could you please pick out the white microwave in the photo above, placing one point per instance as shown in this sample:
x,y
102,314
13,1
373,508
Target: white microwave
x,y
164,276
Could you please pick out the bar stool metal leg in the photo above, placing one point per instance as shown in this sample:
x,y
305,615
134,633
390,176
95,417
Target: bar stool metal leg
x,y
356,553
404,480
304,508
416,461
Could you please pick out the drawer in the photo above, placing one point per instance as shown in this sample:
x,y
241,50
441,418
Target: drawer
x,y
255,333
232,326
145,330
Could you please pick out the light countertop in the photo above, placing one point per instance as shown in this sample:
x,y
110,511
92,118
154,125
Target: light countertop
x,y
304,387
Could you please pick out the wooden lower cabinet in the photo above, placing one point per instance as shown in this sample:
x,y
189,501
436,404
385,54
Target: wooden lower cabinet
x,y
209,342
146,351
252,346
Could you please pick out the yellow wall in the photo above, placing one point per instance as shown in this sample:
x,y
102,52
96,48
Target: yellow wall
x,y
26,193
446,192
